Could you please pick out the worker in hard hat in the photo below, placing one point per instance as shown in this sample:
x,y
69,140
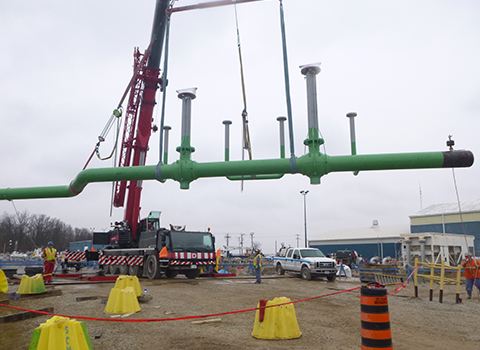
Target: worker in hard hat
x,y
257,265
472,273
49,256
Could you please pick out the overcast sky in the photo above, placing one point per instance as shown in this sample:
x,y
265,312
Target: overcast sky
x,y
408,68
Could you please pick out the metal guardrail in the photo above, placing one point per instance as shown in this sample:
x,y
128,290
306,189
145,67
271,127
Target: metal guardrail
x,y
21,263
248,267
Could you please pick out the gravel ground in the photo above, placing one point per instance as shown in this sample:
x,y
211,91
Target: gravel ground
x,y
331,322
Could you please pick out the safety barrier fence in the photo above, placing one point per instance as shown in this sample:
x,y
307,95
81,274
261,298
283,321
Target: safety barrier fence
x,y
248,267
177,318
21,263
387,279
433,276
188,317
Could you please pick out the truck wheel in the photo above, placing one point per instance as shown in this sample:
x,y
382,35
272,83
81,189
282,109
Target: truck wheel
x,y
104,269
171,273
192,273
280,270
112,269
135,271
153,268
331,278
306,275
123,269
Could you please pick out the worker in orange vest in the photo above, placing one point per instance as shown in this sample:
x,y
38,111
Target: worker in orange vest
x,y
49,256
472,273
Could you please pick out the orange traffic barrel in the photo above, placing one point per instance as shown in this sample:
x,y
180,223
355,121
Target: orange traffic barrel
x,y
376,333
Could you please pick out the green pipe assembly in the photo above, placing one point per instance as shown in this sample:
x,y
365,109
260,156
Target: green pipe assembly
x,y
314,164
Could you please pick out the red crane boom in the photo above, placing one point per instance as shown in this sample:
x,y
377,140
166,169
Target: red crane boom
x,y
136,92
138,118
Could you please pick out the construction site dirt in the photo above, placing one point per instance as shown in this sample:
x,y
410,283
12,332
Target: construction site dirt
x,y
329,322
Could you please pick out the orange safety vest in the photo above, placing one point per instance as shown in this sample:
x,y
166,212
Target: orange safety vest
x,y
472,269
50,254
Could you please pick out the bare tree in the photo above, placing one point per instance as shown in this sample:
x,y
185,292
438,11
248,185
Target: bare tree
x,y
25,232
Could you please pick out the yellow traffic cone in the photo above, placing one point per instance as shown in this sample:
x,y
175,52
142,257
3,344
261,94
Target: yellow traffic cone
x,y
124,281
3,282
122,301
31,285
279,322
60,333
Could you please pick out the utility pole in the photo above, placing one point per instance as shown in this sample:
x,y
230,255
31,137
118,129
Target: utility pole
x,y
298,238
241,243
251,237
227,237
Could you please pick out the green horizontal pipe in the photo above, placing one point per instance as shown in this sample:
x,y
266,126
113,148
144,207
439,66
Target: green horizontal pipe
x,y
36,192
386,161
313,165
78,184
111,174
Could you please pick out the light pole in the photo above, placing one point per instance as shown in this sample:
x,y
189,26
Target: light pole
x,y
304,194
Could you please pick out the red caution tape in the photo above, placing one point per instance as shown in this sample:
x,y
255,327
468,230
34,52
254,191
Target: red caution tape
x,y
176,318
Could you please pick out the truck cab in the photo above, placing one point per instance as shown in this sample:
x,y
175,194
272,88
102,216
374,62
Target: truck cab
x,y
175,251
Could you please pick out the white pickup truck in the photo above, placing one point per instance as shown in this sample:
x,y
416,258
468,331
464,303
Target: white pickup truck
x,y
308,262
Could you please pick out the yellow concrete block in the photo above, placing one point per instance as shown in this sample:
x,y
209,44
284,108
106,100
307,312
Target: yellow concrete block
x,y
60,333
3,282
278,322
122,301
31,285
124,281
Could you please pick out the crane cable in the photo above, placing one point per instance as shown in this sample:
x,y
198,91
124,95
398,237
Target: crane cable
x,y
117,113
450,143
246,134
459,207
165,82
246,145
463,225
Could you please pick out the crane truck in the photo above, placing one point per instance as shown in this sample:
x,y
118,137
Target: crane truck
x,y
157,251
143,248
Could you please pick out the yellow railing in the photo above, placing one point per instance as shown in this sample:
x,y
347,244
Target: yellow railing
x,y
432,277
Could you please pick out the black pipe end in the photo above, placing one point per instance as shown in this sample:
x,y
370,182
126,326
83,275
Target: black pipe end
x,y
457,159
